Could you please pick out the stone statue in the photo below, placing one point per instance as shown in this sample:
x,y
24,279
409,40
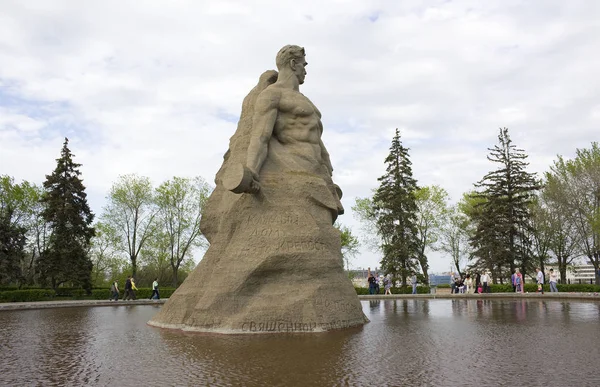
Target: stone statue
x,y
274,263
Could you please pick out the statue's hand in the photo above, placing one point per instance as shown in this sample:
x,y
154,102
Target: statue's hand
x,y
240,179
254,186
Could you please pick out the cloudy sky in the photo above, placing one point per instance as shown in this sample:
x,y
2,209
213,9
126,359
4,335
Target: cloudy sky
x,y
155,88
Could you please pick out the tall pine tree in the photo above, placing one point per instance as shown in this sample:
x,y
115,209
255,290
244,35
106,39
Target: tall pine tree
x,y
395,210
501,241
69,216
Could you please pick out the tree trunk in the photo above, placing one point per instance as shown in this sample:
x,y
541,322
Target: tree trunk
x,y
133,266
175,280
562,268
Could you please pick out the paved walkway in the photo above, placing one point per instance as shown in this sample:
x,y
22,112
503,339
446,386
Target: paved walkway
x,y
75,303
88,303
537,296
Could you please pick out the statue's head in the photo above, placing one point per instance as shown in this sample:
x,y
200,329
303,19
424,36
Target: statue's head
x,y
292,58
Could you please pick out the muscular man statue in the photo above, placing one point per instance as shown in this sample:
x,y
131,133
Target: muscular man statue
x,y
286,131
274,263
285,113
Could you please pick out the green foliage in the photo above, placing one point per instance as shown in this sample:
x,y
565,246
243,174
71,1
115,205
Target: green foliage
x,y
350,243
69,217
27,295
107,260
574,187
500,240
101,294
142,293
364,211
12,231
532,288
180,202
131,211
394,208
454,236
32,295
362,291
577,288
432,212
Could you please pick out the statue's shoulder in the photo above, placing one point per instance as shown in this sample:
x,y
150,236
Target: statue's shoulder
x,y
269,97
274,90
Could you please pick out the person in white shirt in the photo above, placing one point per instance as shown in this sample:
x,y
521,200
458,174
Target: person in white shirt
x,y
540,280
553,281
485,279
155,290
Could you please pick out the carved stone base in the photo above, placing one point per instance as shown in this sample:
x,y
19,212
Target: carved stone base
x,y
277,268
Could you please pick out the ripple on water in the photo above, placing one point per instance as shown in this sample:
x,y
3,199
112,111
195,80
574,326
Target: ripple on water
x,y
408,342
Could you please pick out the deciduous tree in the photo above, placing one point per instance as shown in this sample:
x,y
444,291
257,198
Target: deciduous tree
x,y
432,211
180,203
131,212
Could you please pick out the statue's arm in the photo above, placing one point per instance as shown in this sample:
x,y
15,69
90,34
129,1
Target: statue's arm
x,y
325,157
263,121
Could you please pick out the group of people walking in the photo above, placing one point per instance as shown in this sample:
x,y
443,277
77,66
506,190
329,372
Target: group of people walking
x,y
480,283
130,290
517,281
374,287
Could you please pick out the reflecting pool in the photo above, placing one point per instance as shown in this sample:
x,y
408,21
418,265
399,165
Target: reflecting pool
x,y
463,342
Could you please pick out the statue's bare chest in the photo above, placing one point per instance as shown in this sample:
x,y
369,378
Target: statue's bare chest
x,y
296,104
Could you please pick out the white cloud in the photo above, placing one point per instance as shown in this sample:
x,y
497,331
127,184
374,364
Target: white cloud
x,y
153,88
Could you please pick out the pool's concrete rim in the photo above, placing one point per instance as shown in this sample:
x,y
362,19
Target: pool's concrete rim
x,y
510,296
514,296
75,303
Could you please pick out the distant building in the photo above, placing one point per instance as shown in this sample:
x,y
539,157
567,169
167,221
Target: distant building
x,y
581,274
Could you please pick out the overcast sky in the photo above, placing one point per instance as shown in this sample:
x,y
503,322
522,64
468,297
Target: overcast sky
x,y
155,88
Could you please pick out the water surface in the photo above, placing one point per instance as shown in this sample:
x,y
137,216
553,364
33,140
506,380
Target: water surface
x,y
408,342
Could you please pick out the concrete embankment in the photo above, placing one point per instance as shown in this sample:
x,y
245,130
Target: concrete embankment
x,y
74,303
488,296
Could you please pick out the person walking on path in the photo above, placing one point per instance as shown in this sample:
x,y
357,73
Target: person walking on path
x,y
518,281
452,283
133,288
540,280
387,284
128,291
114,291
553,281
513,280
413,279
155,290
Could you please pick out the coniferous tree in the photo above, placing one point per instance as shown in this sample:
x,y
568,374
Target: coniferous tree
x,y
69,217
501,239
395,210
